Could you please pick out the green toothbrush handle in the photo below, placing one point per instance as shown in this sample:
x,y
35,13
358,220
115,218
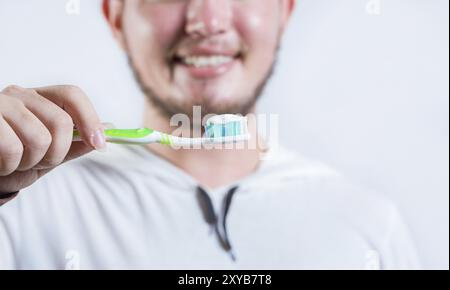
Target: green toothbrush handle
x,y
120,133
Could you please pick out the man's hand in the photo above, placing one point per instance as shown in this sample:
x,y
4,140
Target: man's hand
x,y
36,132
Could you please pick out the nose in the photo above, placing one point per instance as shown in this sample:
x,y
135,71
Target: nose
x,y
208,17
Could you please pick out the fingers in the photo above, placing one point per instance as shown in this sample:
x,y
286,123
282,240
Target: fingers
x,y
73,100
11,148
57,122
34,136
36,131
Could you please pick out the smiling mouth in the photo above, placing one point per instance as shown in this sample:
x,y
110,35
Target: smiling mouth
x,y
207,65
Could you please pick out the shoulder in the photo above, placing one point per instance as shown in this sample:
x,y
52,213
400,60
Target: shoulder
x,y
321,188
322,193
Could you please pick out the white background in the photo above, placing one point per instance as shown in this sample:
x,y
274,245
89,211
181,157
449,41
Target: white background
x,y
365,90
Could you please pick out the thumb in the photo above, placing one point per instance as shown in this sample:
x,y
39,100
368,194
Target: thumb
x,y
77,150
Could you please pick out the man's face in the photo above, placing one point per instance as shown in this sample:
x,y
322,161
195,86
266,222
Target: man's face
x,y
217,54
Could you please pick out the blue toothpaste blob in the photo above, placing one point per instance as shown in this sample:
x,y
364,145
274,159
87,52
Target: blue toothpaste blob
x,y
226,126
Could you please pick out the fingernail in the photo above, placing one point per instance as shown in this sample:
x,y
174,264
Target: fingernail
x,y
98,141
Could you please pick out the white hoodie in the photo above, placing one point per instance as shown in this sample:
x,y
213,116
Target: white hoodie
x,y
130,209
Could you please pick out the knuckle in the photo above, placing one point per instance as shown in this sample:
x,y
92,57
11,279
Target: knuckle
x,y
10,157
11,151
64,121
72,90
61,140
12,89
40,141
60,122
74,95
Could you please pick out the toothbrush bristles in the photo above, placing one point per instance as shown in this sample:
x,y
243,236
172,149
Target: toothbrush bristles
x,y
226,126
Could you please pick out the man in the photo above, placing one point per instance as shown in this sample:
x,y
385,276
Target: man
x,y
161,208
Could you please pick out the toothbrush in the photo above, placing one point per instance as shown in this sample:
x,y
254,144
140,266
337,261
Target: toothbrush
x,y
219,129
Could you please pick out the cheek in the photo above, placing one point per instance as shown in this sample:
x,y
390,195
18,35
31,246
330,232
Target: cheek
x,y
258,26
154,28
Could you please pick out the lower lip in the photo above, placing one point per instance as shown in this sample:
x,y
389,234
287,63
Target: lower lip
x,y
210,71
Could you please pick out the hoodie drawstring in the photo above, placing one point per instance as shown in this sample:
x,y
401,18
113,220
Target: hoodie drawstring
x,y
211,217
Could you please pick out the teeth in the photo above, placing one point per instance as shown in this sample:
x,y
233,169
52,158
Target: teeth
x,y
207,61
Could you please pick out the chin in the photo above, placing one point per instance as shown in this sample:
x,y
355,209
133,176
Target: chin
x,y
215,100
